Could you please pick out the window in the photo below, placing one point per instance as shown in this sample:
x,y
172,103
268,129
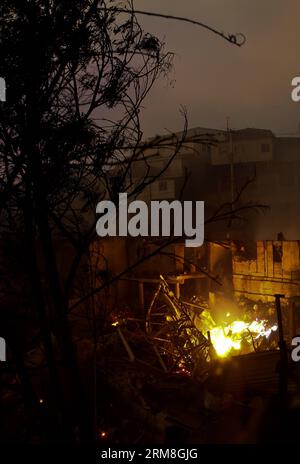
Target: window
x,y
223,174
206,148
287,175
265,148
277,253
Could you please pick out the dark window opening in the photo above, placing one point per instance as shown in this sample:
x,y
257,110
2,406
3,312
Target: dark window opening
x,y
277,253
265,147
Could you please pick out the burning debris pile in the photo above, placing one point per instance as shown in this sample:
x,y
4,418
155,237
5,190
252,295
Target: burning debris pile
x,y
187,332
172,368
184,337
240,336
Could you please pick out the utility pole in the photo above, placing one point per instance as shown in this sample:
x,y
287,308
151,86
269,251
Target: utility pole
x,y
231,160
283,365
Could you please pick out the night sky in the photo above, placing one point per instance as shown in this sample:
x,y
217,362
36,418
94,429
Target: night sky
x,y
215,80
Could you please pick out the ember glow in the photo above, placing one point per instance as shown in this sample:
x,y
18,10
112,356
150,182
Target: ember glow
x,y
229,338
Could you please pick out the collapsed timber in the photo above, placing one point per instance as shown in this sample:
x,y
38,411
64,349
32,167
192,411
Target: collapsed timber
x,y
179,372
184,336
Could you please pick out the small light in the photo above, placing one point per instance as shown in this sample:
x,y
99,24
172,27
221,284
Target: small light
x,y
228,314
41,401
103,434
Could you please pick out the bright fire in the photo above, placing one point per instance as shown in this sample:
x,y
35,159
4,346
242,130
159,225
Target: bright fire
x,y
230,336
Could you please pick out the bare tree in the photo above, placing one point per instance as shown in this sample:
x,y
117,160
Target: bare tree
x,y
77,73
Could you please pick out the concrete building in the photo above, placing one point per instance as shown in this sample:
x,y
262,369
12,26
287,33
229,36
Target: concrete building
x,y
214,166
250,166
271,166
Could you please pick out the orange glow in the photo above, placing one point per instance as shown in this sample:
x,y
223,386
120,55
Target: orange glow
x,y
228,337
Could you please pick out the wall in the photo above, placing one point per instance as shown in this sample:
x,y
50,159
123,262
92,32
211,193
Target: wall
x,y
260,279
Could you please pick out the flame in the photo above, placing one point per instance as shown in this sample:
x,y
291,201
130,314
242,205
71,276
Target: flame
x,y
226,338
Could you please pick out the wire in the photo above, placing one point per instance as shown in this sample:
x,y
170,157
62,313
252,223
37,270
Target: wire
x,y
237,39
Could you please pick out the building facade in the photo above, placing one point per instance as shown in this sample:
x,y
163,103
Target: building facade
x,y
256,171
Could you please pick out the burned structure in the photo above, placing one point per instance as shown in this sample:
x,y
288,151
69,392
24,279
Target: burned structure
x,y
210,315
